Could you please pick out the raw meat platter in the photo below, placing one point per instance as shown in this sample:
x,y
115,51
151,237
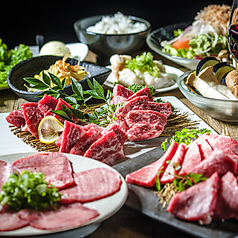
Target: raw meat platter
x,y
106,206
139,154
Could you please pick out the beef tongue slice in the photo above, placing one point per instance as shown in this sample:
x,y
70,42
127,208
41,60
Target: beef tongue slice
x,y
146,175
197,202
55,166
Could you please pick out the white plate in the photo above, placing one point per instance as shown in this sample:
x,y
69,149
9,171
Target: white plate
x,y
77,50
175,73
106,206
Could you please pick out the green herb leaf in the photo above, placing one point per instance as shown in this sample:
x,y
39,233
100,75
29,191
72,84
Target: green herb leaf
x,y
55,80
77,88
46,79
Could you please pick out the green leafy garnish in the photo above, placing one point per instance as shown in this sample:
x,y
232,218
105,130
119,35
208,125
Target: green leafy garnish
x,y
28,190
185,136
102,115
143,63
9,58
137,87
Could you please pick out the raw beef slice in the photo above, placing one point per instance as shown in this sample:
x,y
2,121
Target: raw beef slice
x,y
55,166
164,108
107,149
9,220
177,160
197,202
85,141
65,217
47,103
91,185
59,107
146,175
143,92
71,134
145,124
227,204
33,116
16,118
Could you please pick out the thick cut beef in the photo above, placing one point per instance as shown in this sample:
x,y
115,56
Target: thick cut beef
x,y
146,175
145,124
137,103
164,108
90,126
197,202
121,136
143,92
16,118
33,116
65,217
9,220
47,103
107,149
227,204
120,94
218,161
71,134
191,159
55,166
85,141
92,184
175,163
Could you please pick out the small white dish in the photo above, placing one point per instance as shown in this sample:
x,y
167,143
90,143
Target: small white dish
x,y
174,72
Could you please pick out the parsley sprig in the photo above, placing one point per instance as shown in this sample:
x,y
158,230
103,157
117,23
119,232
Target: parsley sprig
x,y
185,136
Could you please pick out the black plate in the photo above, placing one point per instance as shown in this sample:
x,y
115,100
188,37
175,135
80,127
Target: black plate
x,y
32,66
145,201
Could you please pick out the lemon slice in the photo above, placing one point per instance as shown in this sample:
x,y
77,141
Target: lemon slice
x,y
49,128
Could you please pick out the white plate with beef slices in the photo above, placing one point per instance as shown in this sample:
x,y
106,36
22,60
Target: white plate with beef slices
x,y
106,206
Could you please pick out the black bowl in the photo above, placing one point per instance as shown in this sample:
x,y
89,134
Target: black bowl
x,y
105,45
32,66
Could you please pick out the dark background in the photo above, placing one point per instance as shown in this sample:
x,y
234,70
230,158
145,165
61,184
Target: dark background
x,y
21,22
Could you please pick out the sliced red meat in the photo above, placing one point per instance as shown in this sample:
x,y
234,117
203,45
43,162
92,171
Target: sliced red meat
x,y
218,161
119,90
47,103
121,136
71,134
55,166
220,142
175,163
90,126
204,147
227,204
118,100
92,184
146,175
71,216
59,107
137,103
107,149
85,141
191,159
9,220
143,92
33,116
164,108
197,202
16,118
145,124
59,140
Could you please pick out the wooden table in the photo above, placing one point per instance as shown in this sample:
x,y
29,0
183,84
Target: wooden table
x,y
126,222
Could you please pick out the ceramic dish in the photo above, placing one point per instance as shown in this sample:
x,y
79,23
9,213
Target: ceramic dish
x,y
105,45
35,65
223,110
174,72
106,206
155,38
